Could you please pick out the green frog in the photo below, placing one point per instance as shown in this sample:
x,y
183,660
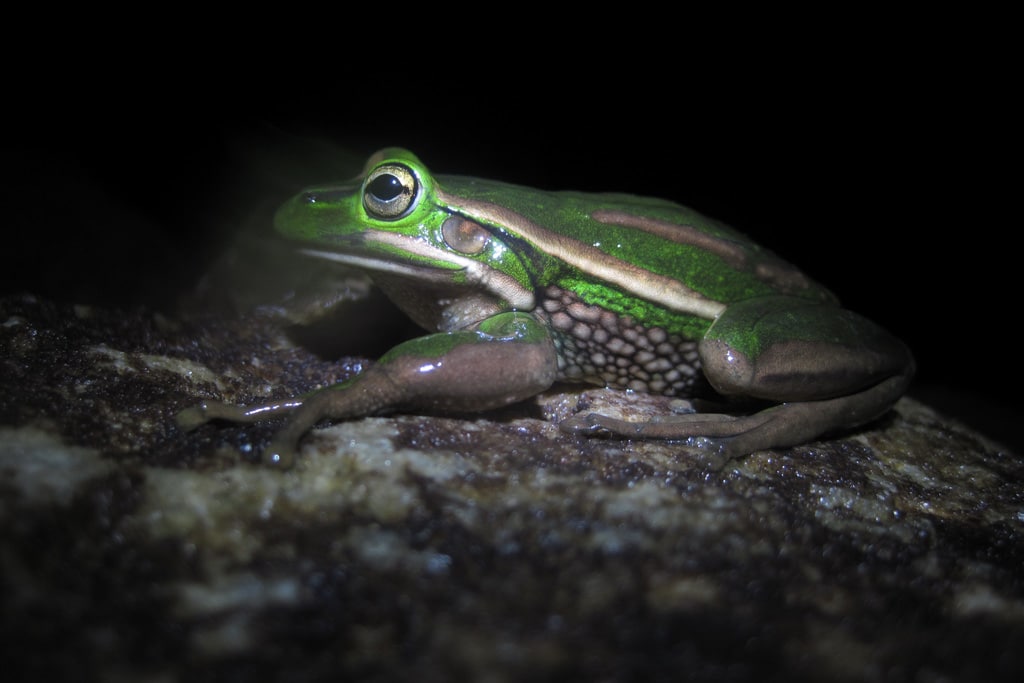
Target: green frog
x,y
522,288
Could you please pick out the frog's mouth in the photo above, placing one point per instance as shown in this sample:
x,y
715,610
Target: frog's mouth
x,y
379,251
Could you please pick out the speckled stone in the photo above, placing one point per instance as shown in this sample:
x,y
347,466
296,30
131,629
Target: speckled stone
x,y
483,548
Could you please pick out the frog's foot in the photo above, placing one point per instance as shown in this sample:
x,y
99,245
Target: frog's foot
x,y
280,453
661,426
195,416
717,428
281,450
781,426
721,429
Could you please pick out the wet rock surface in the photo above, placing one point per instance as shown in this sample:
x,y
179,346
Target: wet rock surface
x,y
490,547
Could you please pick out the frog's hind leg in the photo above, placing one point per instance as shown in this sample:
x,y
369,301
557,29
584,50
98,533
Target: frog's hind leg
x,y
780,426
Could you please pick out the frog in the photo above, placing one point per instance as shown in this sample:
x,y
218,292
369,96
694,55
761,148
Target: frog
x,y
520,290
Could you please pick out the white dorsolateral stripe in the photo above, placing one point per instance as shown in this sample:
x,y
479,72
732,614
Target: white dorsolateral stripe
x,y
668,292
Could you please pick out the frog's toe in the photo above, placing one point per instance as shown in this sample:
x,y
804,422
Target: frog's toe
x,y
192,417
595,423
662,426
280,454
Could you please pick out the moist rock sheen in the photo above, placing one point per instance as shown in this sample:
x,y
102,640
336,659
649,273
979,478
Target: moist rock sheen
x,y
488,547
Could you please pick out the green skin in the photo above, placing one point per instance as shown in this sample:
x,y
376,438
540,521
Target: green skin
x,y
523,288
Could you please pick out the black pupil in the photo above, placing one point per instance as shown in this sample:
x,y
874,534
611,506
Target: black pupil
x,y
385,187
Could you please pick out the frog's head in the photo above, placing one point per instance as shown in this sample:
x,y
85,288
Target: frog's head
x,y
395,222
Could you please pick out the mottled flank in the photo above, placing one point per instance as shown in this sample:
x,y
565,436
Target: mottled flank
x,y
474,548
600,347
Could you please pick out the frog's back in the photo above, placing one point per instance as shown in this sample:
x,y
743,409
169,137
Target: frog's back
x,y
656,235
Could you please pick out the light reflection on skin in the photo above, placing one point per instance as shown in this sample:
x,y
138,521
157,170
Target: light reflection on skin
x,y
274,407
429,367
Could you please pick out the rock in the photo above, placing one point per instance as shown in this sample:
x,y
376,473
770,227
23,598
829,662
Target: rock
x,y
489,547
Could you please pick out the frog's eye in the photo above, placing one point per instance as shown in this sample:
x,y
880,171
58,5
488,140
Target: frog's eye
x,y
464,236
389,191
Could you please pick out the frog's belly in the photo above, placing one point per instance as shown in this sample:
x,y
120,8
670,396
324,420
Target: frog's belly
x,y
597,346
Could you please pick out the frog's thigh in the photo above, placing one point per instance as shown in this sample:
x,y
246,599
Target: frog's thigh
x,y
786,349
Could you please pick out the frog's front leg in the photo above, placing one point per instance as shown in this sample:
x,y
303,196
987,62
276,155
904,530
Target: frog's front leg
x,y
827,369
508,358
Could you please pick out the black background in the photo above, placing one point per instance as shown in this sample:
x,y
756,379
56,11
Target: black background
x,y
889,183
